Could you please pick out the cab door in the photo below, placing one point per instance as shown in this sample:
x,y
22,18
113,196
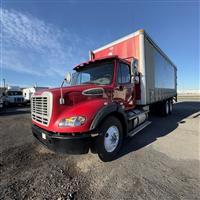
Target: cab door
x,y
124,92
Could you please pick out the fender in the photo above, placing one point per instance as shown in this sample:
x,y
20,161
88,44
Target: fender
x,y
107,110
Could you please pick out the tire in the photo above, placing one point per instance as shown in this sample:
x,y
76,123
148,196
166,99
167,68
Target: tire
x,y
110,140
170,106
165,108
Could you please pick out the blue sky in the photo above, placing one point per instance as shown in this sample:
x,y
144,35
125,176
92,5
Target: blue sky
x,y
41,40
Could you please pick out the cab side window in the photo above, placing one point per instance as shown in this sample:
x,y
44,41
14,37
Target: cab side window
x,y
123,75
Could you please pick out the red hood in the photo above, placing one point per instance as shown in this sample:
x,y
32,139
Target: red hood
x,y
74,99
70,89
73,94
76,88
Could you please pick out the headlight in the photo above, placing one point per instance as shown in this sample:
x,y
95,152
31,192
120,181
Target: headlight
x,y
72,121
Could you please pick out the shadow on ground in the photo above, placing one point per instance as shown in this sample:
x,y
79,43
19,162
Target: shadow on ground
x,y
161,126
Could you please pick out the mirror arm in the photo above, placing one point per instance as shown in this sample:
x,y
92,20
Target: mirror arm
x,y
67,80
63,83
61,100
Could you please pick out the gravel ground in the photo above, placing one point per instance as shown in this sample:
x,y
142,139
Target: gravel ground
x,y
161,162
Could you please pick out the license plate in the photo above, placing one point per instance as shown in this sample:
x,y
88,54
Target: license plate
x,y
44,136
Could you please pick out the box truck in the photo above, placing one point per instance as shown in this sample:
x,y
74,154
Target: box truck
x,y
109,98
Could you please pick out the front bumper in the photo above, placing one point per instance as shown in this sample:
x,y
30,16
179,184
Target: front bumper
x,y
78,144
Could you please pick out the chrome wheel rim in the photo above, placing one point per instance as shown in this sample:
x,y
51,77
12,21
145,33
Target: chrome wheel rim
x,y
111,139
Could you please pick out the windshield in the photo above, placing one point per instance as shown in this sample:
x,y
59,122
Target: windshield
x,y
98,74
14,93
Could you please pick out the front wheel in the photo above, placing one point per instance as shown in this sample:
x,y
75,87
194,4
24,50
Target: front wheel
x,y
109,142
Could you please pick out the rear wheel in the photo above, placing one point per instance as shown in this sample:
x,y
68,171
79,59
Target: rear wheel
x,y
109,142
165,108
170,106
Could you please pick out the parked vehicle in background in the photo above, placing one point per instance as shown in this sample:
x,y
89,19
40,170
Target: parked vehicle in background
x,y
28,92
1,102
108,100
2,97
13,96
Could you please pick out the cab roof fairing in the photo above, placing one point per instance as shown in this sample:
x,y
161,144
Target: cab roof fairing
x,y
84,64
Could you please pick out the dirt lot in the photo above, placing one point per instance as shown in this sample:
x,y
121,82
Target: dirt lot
x,y
161,162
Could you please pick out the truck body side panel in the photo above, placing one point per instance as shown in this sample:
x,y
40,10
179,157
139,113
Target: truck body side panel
x,y
125,49
160,74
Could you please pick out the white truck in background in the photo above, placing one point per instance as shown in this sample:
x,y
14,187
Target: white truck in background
x,y
28,92
13,96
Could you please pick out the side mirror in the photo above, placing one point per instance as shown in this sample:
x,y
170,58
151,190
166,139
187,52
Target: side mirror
x,y
68,78
134,70
134,66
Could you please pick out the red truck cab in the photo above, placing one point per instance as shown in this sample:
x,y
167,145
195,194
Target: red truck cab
x,y
101,92
108,98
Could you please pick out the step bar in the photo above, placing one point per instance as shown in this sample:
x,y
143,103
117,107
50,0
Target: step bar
x,y
139,128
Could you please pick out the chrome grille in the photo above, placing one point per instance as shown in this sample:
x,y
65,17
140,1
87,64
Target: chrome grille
x,y
18,100
41,109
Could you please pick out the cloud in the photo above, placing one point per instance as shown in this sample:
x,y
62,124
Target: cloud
x,y
31,46
14,60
